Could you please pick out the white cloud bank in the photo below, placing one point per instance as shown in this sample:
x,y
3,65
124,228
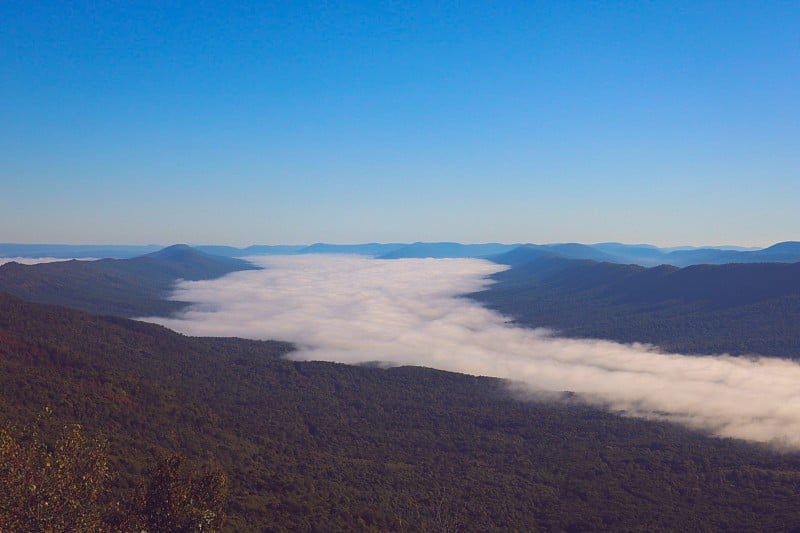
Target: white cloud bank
x,y
407,312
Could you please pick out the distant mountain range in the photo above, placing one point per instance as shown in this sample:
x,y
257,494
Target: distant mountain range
x,y
123,287
737,308
446,250
646,255
744,307
638,254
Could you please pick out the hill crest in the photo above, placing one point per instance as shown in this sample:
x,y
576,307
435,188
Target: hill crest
x,y
138,286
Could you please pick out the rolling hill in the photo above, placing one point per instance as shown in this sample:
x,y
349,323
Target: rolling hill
x,y
123,287
739,308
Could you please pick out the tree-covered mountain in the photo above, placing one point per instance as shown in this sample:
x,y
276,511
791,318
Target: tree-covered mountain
x,y
322,446
739,308
124,287
783,252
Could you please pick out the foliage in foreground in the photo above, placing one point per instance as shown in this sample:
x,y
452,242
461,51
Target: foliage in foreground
x,y
54,488
64,487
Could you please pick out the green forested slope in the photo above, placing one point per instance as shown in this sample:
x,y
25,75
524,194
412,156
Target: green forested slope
x,y
122,287
332,447
736,308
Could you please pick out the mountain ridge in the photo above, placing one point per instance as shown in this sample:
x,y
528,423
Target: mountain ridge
x,y
641,254
736,308
137,286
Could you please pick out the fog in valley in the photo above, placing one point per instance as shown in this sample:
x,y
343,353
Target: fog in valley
x,y
412,312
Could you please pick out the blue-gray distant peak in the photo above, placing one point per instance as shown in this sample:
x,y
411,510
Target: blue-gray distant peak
x,y
784,247
176,252
442,250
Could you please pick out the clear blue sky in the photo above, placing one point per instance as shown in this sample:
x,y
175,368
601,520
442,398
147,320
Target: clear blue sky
x,y
293,122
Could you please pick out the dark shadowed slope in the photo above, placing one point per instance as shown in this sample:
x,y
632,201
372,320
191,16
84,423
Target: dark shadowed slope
x,y
736,308
321,446
122,287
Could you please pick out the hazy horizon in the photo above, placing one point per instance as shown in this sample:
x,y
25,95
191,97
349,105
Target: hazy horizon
x,y
355,243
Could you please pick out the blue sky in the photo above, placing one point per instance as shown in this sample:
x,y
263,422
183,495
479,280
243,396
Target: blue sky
x,y
291,122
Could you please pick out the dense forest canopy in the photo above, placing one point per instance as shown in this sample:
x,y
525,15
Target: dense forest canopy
x,y
319,445
741,309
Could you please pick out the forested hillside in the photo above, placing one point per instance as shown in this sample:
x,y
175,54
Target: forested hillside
x,y
122,287
744,308
331,447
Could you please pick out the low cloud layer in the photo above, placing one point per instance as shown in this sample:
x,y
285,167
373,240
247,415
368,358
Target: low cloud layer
x,y
408,312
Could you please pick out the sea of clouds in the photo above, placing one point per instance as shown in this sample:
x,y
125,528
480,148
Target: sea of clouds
x,y
412,312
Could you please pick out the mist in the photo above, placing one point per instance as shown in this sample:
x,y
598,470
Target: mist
x,y
411,312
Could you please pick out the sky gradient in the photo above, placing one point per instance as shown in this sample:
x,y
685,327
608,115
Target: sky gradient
x,y
218,122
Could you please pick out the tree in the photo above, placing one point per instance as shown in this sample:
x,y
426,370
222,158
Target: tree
x,y
181,498
63,487
58,488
